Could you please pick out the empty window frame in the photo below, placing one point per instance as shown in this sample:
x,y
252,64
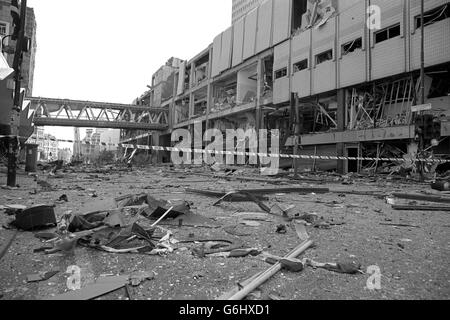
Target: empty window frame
x,y
281,73
433,16
388,33
324,57
301,65
352,46
299,8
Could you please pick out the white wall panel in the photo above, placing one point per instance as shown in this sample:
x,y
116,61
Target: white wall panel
x,y
180,87
281,90
227,45
389,57
281,56
238,42
301,50
352,67
217,55
324,74
264,32
251,21
281,20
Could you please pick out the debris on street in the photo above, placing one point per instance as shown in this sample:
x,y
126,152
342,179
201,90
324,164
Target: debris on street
x,y
234,231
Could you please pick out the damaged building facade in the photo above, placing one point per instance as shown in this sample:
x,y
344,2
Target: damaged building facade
x,y
320,74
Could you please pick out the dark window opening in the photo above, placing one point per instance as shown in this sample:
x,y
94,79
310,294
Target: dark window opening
x,y
388,33
353,164
299,8
433,16
187,78
302,65
440,84
281,73
324,56
352,46
268,76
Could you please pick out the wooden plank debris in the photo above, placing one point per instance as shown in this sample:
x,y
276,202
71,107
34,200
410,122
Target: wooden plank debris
x,y
420,208
419,197
259,192
399,225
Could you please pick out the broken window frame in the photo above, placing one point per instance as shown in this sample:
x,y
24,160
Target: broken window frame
x,y
301,65
390,34
281,73
224,94
325,58
432,16
351,46
181,106
268,76
328,117
299,8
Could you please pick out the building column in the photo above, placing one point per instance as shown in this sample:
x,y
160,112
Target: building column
x,y
259,92
157,155
209,97
340,147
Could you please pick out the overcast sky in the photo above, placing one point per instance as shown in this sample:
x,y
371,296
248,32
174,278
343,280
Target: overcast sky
x,y
107,50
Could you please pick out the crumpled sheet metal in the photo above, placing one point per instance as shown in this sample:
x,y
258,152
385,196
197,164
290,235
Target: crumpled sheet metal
x,y
134,239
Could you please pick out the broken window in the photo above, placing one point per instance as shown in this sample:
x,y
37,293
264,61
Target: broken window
x,y
440,83
182,110
299,8
268,76
187,78
201,70
302,65
324,56
388,33
352,46
224,94
200,102
433,16
281,73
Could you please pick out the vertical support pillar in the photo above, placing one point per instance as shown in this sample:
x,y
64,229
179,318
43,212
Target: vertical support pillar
x,y
191,95
341,114
210,90
157,155
259,92
209,99
298,131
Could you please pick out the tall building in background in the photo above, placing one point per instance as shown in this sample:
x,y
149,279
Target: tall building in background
x,y
48,145
97,142
242,7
